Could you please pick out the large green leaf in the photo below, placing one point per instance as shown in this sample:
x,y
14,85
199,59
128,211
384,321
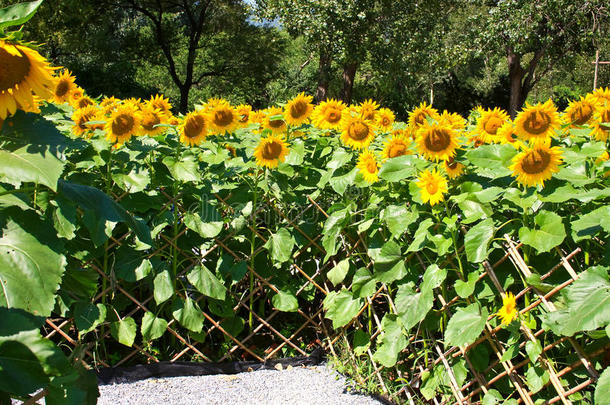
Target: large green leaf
x,y
280,245
388,261
549,232
602,388
492,160
466,325
391,342
163,288
591,223
124,330
400,168
152,326
412,307
332,228
188,314
399,217
18,14
207,283
186,169
338,273
193,221
476,241
88,316
31,265
21,166
341,307
341,183
285,301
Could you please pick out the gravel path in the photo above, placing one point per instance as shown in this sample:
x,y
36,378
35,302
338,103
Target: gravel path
x,y
299,385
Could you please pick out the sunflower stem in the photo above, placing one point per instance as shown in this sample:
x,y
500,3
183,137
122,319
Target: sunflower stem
x,y
252,245
18,190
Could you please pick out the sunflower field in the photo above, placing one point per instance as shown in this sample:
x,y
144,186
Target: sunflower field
x,y
446,259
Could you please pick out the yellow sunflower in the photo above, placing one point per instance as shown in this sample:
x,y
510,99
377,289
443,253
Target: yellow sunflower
x,y
194,128
580,112
273,121
508,312
298,110
222,118
243,113
419,115
81,116
368,110
271,151
601,96
64,84
384,119
489,123
160,102
368,166
506,135
23,73
436,141
453,169
356,132
76,94
84,101
601,123
533,166
123,123
213,102
328,114
397,145
454,120
604,157
108,104
152,116
432,186
537,123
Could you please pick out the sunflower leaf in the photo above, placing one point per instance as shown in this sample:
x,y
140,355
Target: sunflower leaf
x,y
18,14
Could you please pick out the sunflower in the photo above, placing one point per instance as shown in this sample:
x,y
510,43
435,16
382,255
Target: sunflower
x,y
108,104
368,166
601,124
123,123
152,116
298,110
81,116
356,132
508,312
489,123
273,121
385,119
533,166
368,110
453,169
271,151
23,72
454,120
432,186
580,112
604,157
419,115
243,113
213,102
328,114
161,103
84,101
76,94
194,128
64,84
537,123
397,145
506,135
436,141
601,96
222,118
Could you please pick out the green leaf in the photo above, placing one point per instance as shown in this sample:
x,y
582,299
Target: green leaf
x,y
535,281
31,266
332,228
206,283
188,314
549,233
285,301
363,283
433,277
591,223
492,160
466,325
412,307
391,342
152,326
341,307
280,245
234,325
341,183
185,170
337,274
536,377
207,230
419,239
135,181
533,350
576,174
465,288
362,341
163,289
492,397
400,168
398,218
124,330
18,14
22,166
131,265
477,239
88,316
64,219
602,388
388,262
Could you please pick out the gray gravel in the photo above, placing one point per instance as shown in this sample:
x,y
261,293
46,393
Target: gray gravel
x,y
298,385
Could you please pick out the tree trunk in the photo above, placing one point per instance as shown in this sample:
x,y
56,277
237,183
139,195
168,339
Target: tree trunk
x,y
516,73
323,76
184,98
349,73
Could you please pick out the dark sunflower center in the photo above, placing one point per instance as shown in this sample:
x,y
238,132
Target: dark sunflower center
x,y
451,163
581,114
385,121
333,116
371,166
272,150
536,162
358,131
13,69
122,124
276,123
432,187
420,118
368,114
149,121
62,88
194,126
298,109
244,118
537,122
437,140
84,102
492,124
84,119
223,118
397,149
